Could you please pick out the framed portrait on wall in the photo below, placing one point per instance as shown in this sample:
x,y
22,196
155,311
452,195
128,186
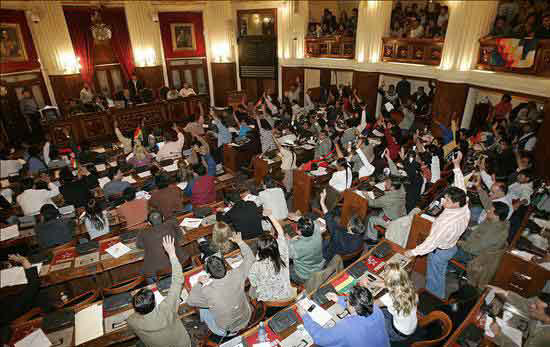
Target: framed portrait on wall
x,y
183,37
12,45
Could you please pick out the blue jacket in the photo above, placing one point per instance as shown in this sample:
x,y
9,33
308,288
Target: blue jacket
x,y
352,331
341,242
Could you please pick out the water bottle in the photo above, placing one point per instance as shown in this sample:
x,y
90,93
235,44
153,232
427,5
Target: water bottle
x,y
262,336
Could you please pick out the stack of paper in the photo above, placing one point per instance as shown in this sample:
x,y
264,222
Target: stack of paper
x,y
66,209
118,250
101,167
144,174
130,179
12,276
318,314
182,185
171,168
88,323
522,254
35,339
10,232
103,181
191,223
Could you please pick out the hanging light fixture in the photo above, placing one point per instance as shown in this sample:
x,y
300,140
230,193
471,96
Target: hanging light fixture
x,y
100,30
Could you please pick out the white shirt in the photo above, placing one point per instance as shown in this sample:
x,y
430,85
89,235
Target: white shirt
x,y
171,149
435,169
520,191
288,159
184,92
308,104
8,167
367,169
405,324
32,200
338,180
504,199
86,96
274,199
46,152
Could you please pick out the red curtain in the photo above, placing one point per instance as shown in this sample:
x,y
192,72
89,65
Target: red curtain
x,y
79,22
120,41
26,46
168,18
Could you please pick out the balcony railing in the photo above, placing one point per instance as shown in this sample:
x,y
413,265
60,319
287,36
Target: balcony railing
x,y
416,51
523,56
342,47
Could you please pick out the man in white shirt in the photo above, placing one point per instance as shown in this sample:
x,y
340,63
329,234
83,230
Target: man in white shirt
x,y
308,103
523,188
86,95
273,199
173,144
32,200
440,245
187,91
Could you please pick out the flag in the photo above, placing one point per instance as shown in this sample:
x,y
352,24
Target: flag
x,y
138,135
344,283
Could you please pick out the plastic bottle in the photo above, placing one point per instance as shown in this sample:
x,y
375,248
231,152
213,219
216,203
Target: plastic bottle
x,y
262,336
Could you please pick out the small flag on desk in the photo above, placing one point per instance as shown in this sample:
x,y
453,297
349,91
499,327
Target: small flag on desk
x,y
138,134
344,283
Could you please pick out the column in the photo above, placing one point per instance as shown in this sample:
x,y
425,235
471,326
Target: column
x,y
372,25
468,21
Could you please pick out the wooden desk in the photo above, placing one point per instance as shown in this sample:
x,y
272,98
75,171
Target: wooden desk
x,y
303,185
98,127
472,318
235,157
286,333
521,276
420,229
263,167
353,204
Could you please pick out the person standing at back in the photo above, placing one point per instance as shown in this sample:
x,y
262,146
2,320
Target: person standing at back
x,y
159,325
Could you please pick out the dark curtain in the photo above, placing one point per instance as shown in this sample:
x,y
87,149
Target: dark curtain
x,y
120,41
79,23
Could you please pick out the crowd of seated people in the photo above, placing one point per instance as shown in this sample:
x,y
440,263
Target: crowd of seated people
x,y
135,93
408,159
412,21
329,25
522,19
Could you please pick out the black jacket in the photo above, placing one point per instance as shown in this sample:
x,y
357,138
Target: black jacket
x,y
13,306
55,232
245,217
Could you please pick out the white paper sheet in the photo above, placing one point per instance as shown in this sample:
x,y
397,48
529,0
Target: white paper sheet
x,y
88,323
12,276
158,296
35,339
319,172
103,181
380,186
182,185
318,314
10,232
113,164
129,179
171,168
195,278
99,150
101,167
118,250
371,195
67,209
522,254
191,223
144,174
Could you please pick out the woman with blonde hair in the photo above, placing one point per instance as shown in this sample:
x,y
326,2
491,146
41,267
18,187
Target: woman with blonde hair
x,y
399,304
221,234
141,157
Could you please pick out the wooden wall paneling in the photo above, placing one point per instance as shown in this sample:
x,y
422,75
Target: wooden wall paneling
x,y
325,78
448,99
542,150
250,87
152,77
224,76
289,75
66,87
367,88
268,85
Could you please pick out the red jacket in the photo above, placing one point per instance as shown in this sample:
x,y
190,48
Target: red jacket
x,y
203,191
393,147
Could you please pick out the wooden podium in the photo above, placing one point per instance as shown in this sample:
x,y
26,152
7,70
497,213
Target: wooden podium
x,y
353,204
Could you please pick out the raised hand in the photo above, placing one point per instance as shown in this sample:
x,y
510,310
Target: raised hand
x,y
168,244
237,238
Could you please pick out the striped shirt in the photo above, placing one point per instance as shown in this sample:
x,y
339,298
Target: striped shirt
x,y
448,227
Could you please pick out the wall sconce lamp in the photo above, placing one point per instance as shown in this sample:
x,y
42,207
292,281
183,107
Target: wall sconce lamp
x,y
145,57
221,51
70,63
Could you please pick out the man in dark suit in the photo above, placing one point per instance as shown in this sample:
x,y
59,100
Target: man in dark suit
x,y
135,86
421,102
244,216
150,241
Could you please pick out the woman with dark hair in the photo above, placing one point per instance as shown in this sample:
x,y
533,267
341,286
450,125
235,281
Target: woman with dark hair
x,y
269,275
95,220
